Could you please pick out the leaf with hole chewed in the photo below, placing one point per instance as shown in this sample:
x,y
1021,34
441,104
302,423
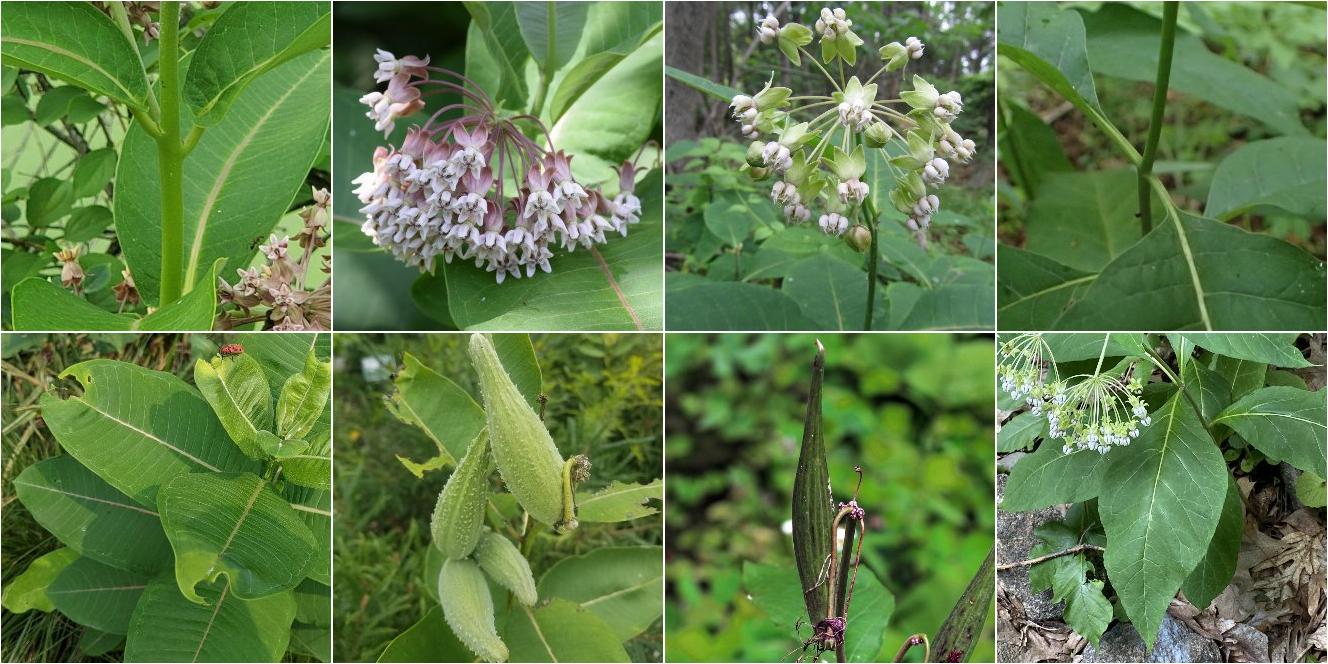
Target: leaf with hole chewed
x,y
28,590
812,508
246,41
613,286
1278,350
428,640
303,398
1284,423
238,392
76,42
1168,487
620,501
239,179
234,524
623,585
91,517
1205,275
440,408
137,429
1211,576
166,627
1285,173
96,595
561,631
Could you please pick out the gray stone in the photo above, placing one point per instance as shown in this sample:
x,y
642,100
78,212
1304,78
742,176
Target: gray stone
x,y
1175,643
1014,538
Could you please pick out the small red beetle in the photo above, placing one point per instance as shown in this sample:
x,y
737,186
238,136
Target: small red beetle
x,y
231,350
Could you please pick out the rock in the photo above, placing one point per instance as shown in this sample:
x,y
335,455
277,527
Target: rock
x,y
1014,538
1175,643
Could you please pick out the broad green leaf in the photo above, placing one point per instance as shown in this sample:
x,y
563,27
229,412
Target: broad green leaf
x,y
1049,42
1087,610
195,310
75,42
1278,350
93,171
1030,149
238,181
311,468
775,589
1244,376
429,640
618,27
610,120
439,407
246,41
958,306
614,286
28,590
137,429
580,77
1020,432
619,502
311,641
1311,490
91,517
1211,576
166,627
1213,392
623,585
86,223
1034,291
732,215
1084,220
833,294
238,392
95,643
282,355
303,399
551,30
49,200
1085,346
1167,490
560,631
234,524
314,505
96,595
1285,423
1202,274
502,38
54,103
1123,42
1049,477
271,445
698,304
313,603
1285,173
37,304
717,90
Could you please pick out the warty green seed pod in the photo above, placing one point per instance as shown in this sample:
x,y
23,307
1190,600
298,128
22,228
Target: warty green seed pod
x,y
503,562
458,518
468,609
522,448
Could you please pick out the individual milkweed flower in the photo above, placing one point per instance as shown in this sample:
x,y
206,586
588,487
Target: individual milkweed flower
x,y
853,191
936,171
833,23
797,213
71,272
399,100
833,223
126,293
390,67
784,193
777,156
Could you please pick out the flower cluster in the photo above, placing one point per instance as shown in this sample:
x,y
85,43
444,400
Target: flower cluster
x,y
816,171
1094,411
476,187
279,285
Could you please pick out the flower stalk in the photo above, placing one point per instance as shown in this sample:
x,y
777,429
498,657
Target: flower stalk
x,y
1162,83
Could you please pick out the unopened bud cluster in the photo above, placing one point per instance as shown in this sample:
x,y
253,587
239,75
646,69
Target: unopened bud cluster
x,y
831,182
1095,411
443,192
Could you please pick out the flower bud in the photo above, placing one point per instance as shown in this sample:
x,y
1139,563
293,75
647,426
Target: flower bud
x,y
878,134
935,171
859,238
754,152
914,47
758,172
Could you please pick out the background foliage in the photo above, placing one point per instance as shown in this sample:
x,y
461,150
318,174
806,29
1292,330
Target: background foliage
x,y
913,410
604,401
723,227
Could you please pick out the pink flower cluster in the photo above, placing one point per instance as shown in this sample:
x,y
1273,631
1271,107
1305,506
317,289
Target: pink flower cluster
x,y
442,192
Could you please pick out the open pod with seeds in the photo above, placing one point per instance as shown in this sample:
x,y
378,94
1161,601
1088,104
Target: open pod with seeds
x,y
509,504
192,508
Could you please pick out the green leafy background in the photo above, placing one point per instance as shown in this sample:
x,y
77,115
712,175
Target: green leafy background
x,y
913,410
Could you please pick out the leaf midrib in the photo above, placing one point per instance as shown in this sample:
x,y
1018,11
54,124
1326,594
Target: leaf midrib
x,y
87,497
147,435
76,57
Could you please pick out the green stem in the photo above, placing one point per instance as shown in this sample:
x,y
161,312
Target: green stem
x,y
170,157
1145,168
543,90
869,220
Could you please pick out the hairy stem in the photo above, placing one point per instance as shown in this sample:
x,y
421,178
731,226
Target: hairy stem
x,y
170,157
1145,168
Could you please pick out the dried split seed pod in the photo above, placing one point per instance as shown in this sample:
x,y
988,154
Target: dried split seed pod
x,y
459,515
468,609
522,448
501,560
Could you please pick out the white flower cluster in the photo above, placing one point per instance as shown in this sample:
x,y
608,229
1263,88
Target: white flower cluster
x,y
767,31
833,23
1094,411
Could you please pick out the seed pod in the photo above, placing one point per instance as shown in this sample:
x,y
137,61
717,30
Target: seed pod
x,y
468,609
522,448
459,514
503,562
